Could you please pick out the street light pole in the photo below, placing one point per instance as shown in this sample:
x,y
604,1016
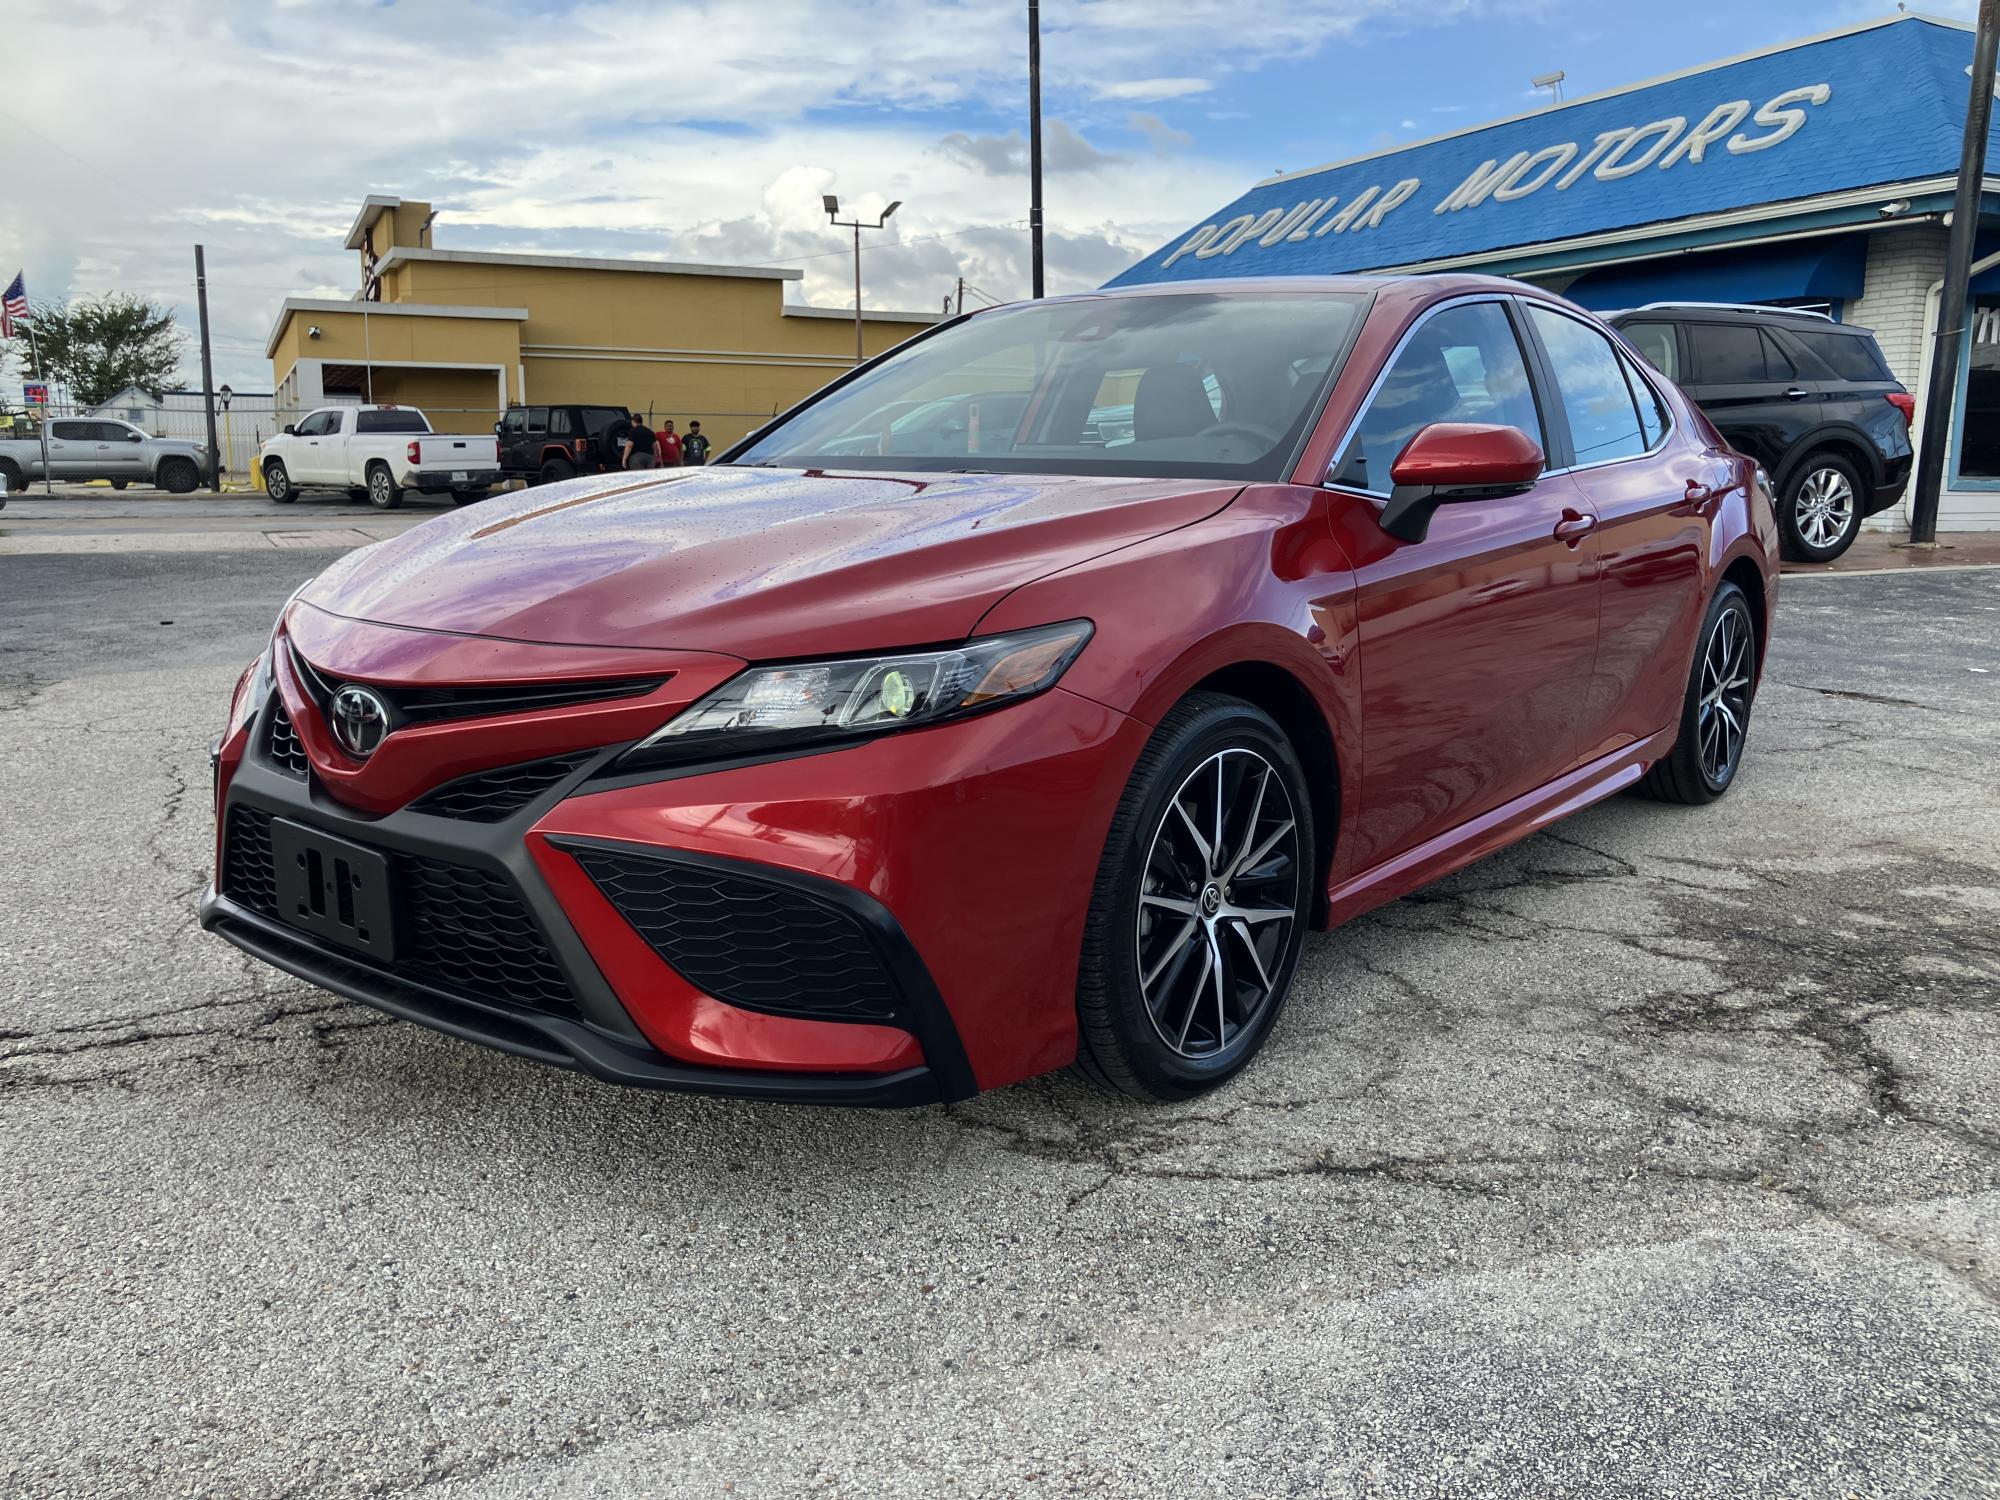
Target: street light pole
x,y
1035,147
1943,385
207,367
831,202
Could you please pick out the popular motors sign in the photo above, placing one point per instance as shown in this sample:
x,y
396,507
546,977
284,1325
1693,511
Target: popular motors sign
x,y
1733,127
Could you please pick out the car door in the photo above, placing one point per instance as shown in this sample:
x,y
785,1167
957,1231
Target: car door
x,y
536,437
123,451
1749,388
512,433
313,460
1476,643
72,449
1653,491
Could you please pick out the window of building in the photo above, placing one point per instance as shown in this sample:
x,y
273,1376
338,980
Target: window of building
x,y
1979,414
1603,418
1462,365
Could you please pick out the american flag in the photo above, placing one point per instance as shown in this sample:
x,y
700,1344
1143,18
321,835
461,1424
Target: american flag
x,y
14,304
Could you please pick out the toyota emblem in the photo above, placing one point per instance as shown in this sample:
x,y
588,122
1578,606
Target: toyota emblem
x,y
359,720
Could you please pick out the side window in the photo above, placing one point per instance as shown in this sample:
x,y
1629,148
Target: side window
x,y
1657,346
1652,410
1461,365
70,432
511,423
538,419
559,424
1603,419
1777,364
319,424
1727,353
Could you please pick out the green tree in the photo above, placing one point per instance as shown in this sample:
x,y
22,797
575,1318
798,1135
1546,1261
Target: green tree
x,y
99,345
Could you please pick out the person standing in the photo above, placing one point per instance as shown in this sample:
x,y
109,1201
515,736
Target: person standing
x,y
639,448
670,446
694,449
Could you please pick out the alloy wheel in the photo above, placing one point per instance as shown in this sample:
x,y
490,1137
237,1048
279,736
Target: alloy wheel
x,y
1824,508
1725,696
1219,900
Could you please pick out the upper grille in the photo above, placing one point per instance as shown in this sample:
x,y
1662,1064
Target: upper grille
x,y
428,705
463,929
493,795
282,744
746,941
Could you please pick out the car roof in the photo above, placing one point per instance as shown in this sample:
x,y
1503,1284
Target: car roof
x,y
1736,312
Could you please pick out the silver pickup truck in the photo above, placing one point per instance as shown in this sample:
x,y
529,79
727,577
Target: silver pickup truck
x,y
83,448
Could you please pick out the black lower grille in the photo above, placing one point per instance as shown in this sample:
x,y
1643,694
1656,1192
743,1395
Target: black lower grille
x,y
751,943
493,795
462,929
249,875
282,745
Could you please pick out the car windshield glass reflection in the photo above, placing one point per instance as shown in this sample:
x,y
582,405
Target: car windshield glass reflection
x,y
1182,384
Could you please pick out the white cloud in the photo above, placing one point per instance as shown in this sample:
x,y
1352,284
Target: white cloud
x,y
690,129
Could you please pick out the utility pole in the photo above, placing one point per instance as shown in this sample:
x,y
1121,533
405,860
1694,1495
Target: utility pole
x,y
959,306
1035,146
207,370
1943,384
832,205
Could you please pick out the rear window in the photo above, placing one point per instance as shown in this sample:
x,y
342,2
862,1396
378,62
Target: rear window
x,y
597,418
390,421
1851,356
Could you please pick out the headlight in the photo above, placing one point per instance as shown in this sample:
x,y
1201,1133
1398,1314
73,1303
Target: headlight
x,y
805,703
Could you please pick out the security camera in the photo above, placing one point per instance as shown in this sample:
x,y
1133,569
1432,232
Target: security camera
x,y
313,332
1895,206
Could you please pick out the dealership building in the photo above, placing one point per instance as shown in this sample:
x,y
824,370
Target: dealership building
x,y
466,333
1818,174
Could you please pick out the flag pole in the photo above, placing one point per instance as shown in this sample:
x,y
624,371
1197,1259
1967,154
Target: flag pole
x,y
35,349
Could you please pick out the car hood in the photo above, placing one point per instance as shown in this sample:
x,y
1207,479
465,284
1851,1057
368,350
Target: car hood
x,y
749,561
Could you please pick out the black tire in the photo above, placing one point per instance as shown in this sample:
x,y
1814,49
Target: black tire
x,y
278,486
178,476
14,480
383,491
1820,511
468,497
1122,1041
117,484
1685,773
555,471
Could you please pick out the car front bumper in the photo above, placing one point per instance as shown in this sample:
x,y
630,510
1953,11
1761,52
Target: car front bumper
x,y
942,876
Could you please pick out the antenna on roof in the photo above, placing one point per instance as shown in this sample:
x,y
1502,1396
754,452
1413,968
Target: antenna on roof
x,y
1553,82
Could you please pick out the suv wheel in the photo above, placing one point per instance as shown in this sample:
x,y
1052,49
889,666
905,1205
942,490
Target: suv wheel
x,y
1200,905
1820,513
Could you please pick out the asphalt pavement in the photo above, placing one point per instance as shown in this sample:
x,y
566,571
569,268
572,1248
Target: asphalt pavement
x,y
1659,1155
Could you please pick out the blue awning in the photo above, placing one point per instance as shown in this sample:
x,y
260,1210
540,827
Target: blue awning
x,y
1827,270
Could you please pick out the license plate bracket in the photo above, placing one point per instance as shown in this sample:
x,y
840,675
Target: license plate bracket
x,y
460,476
336,889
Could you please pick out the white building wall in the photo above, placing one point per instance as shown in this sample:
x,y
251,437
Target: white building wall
x,y
1902,264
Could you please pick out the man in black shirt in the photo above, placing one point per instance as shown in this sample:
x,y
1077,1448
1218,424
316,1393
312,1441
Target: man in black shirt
x,y
695,449
639,447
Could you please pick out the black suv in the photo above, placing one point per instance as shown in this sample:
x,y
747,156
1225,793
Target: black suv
x,y
1810,399
543,444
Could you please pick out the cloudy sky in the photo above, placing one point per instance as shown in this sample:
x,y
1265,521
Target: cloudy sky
x,y
708,131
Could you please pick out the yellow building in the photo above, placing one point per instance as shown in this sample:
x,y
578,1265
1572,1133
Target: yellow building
x,y
466,333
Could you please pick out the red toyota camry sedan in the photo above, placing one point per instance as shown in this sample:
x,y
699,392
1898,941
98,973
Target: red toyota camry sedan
x,y
1018,700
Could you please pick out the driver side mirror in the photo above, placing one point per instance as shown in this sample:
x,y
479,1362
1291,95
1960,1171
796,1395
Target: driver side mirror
x,y
290,430
1448,463
135,437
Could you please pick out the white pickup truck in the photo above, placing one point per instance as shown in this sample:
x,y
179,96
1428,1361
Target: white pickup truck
x,y
379,451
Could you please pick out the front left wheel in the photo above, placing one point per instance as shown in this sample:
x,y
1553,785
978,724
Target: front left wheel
x,y
1200,906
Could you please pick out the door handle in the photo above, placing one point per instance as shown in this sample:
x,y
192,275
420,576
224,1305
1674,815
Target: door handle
x,y
1574,527
1796,393
1696,495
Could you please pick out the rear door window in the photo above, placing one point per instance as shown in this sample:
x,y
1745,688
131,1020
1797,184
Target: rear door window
x,y
1727,353
559,423
538,419
71,432
1462,365
1652,410
1603,417
1657,345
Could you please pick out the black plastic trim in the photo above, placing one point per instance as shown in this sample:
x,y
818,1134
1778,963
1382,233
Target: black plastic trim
x,y
920,1010
545,1038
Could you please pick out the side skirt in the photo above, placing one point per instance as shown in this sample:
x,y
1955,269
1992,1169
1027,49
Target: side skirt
x,y
1507,824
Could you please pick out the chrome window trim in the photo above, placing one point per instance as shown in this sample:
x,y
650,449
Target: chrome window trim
x,y
1628,361
1367,401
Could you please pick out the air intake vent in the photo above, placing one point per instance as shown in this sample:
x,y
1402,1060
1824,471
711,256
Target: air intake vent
x,y
282,746
494,795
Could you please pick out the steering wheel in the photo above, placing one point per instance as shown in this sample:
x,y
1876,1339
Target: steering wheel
x,y
1248,429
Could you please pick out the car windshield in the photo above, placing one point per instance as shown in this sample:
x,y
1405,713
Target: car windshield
x,y
1195,384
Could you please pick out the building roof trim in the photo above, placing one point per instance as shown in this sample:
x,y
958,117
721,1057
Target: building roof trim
x,y
1548,111
372,208
868,314
332,305
403,253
